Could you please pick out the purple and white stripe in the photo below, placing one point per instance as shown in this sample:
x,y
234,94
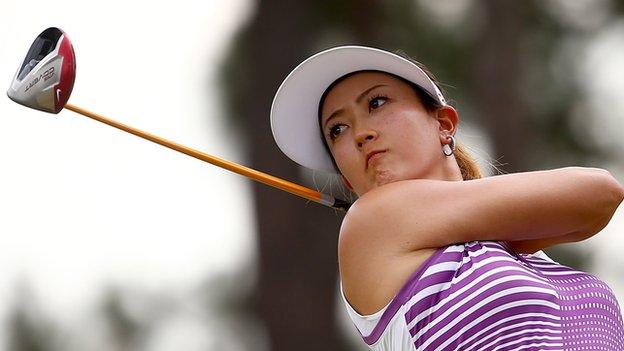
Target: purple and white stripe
x,y
482,296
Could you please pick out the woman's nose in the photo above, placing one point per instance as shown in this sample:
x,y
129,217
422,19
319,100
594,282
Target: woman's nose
x,y
365,136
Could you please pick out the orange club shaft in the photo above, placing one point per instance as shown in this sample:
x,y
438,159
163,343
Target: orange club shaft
x,y
261,177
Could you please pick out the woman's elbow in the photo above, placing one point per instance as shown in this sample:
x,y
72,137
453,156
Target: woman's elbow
x,y
611,193
608,185
619,190
614,188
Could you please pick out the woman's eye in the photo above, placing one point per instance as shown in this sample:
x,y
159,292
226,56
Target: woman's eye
x,y
335,131
376,102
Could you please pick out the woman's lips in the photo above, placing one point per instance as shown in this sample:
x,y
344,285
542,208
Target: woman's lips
x,y
374,156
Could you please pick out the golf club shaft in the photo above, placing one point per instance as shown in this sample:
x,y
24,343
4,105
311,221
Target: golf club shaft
x,y
267,179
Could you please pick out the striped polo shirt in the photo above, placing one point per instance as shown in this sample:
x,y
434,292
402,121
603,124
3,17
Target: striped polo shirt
x,y
482,296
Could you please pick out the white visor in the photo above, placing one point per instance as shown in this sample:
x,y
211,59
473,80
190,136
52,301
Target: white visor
x,y
295,108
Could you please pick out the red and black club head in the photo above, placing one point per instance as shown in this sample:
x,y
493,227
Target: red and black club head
x,y
45,79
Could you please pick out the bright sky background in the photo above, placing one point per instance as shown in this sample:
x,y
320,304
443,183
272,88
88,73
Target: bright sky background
x,y
84,206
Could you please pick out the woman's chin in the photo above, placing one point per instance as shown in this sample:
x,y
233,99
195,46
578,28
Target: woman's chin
x,y
385,176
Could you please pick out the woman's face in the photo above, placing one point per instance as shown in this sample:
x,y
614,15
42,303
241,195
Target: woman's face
x,y
379,132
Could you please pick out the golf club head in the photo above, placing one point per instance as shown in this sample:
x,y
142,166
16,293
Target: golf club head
x,y
45,79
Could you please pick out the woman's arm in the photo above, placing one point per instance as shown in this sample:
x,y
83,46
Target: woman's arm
x,y
532,246
547,207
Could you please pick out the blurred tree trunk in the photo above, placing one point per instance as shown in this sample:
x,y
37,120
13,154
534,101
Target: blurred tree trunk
x,y
297,240
496,81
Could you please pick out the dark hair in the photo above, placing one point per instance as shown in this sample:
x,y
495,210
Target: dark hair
x,y
467,165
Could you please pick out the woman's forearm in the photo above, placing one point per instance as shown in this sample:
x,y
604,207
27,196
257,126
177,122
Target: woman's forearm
x,y
581,200
612,194
573,201
558,205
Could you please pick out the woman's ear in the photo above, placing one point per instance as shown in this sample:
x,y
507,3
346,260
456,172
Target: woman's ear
x,y
346,182
448,119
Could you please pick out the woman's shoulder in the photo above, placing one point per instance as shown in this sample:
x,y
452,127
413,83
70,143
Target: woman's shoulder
x,y
378,218
377,252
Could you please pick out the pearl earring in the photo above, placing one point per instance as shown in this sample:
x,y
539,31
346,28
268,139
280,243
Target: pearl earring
x,y
449,148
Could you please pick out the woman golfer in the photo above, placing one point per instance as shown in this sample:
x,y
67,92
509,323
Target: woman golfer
x,y
433,256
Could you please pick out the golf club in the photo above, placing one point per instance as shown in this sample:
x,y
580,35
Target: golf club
x,y
45,79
